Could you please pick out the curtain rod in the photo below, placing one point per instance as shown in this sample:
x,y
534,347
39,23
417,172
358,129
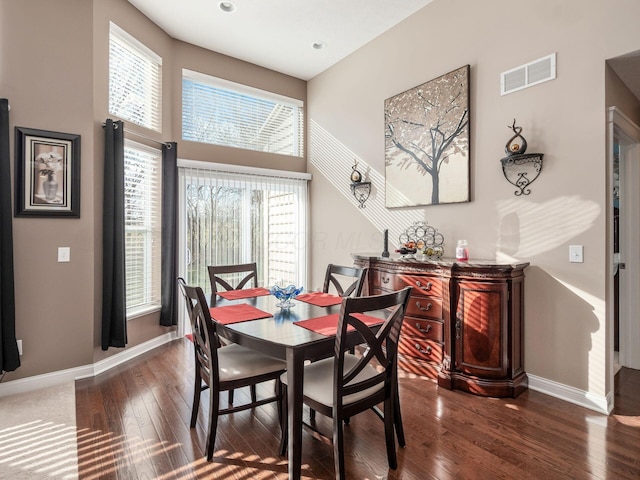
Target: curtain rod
x,y
131,132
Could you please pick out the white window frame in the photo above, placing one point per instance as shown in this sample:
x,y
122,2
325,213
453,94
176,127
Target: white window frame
x,y
152,88
153,301
262,95
302,241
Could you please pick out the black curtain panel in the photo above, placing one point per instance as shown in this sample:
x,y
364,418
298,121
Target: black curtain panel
x,y
9,357
168,314
114,310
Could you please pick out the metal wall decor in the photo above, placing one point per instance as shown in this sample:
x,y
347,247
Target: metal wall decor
x,y
520,169
420,237
360,190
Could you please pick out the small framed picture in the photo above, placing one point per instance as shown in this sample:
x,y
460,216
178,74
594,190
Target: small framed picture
x,y
47,173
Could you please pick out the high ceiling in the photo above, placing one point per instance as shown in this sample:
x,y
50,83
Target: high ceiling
x,y
280,34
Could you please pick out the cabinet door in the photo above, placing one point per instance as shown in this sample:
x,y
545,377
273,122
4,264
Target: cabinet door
x,y
481,329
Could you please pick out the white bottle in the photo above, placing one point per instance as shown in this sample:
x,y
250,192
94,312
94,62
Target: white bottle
x,y
462,251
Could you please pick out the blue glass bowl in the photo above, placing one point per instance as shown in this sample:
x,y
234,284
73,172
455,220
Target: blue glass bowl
x,y
285,295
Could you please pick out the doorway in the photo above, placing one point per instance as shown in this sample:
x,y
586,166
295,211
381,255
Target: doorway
x,y
624,174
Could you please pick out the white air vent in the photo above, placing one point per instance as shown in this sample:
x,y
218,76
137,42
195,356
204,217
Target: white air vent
x,y
528,75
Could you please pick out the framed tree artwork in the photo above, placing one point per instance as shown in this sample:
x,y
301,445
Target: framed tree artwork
x,y
47,173
427,142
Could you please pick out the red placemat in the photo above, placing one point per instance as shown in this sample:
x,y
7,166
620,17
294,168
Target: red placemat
x,y
237,313
320,299
328,324
244,293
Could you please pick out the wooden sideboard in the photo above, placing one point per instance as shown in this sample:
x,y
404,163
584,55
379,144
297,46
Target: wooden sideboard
x,y
464,324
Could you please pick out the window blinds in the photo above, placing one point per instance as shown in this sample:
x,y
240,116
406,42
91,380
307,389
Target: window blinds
x,y
225,113
143,183
135,80
234,218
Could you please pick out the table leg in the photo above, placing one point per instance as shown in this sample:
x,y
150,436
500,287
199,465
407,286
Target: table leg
x,y
295,377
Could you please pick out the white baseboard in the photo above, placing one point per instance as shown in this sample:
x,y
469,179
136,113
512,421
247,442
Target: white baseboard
x,y
569,394
599,403
37,382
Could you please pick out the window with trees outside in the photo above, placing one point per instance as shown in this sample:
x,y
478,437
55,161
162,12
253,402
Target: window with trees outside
x,y
225,113
232,217
142,204
135,80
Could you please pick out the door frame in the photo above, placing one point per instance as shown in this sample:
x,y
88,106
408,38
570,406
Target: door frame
x,y
627,133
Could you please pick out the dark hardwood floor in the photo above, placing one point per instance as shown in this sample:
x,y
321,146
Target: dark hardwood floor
x,y
133,423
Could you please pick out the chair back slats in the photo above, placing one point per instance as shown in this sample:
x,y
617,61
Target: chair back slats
x,y
380,347
337,276
205,337
215,271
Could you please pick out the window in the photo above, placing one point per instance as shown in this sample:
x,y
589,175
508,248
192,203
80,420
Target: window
x,y
230,217
142,207
225,113
135,80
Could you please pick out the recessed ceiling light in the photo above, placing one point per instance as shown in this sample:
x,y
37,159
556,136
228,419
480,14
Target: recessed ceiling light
x,y
227,7
318,45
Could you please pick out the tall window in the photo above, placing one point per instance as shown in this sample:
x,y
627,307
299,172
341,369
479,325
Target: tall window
x,y
143,182
225,113
135,80
239,218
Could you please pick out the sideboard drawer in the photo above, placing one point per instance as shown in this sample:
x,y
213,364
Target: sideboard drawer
x,y
420,328
428,307
420,348
421,284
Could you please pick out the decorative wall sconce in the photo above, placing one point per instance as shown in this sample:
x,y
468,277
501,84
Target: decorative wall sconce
x,y
520,169
361,190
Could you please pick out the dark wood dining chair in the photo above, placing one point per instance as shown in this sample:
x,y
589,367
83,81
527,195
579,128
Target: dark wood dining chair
x,y
243,274
346,281
219,368
347,384
221,275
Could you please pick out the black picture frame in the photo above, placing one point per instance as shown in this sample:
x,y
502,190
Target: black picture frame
x,y
47,173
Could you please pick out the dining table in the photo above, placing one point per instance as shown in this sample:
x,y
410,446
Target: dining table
x,y
304,331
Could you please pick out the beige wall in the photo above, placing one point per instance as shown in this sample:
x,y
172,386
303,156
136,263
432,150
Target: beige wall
x,y
54,71
53,68
565,119
46,73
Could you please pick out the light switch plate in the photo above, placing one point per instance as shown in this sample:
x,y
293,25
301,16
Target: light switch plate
x,y
576,253
64,254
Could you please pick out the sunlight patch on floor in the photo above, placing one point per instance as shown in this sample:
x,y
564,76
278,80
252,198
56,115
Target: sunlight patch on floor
x,y
627,420
38,434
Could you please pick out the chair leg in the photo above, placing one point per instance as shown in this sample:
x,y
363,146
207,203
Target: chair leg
x,y
214,405
312,414
284,421
389,425
254,397
398,420
338,446
278,394
230,397
197,390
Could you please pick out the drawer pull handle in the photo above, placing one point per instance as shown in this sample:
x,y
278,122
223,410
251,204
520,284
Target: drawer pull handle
x,y
426,351
385,280
427,329
424,309
426,287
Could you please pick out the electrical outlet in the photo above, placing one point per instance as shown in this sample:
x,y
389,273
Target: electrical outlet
x,y
576,253
19,342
